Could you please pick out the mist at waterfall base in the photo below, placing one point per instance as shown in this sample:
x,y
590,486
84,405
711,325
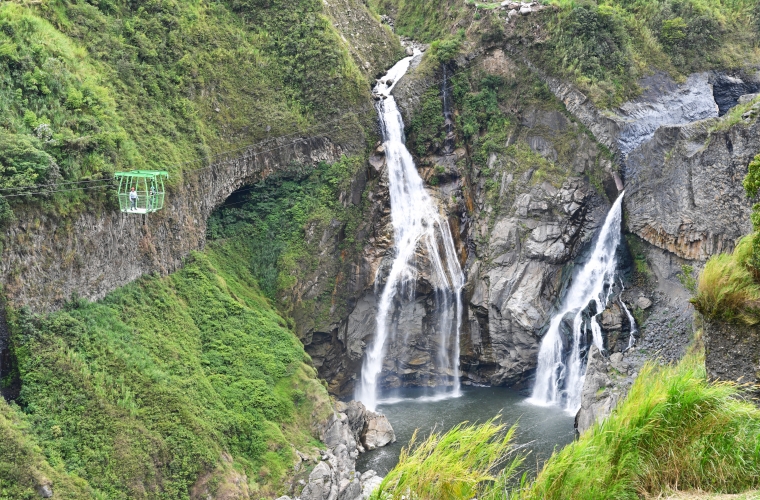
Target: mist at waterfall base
x,y
540,429
417,224
562,367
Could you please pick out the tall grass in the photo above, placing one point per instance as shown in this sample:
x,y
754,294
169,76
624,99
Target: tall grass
x,y
674,431
727,289
453,465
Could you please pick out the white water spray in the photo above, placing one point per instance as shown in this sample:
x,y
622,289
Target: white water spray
x,y
416,222
559,377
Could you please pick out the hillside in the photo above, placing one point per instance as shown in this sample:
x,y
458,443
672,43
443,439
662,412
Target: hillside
x,y
603,152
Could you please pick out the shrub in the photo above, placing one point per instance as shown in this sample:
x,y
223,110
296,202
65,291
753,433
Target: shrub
x,y
727,289
452,466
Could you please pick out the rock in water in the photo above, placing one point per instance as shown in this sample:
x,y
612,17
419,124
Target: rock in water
x,y
377,432
371,429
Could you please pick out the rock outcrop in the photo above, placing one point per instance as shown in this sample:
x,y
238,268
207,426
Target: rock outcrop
x,y
607,382
732,353
346,433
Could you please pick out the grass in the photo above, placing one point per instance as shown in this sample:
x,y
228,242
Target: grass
x,y
673,431
727,289
142,393
452,465
734,116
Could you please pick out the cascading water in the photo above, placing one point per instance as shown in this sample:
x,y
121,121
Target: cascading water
x,y
559,376
416,221
631,321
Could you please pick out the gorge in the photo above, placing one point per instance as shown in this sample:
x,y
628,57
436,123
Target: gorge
x,y
379,214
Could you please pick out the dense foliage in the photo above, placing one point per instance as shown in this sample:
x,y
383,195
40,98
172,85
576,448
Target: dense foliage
x,y
607,46
282,220
143,393
92,87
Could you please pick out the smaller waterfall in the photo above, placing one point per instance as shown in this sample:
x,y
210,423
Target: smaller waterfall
x,y
416,223
559,376
632,322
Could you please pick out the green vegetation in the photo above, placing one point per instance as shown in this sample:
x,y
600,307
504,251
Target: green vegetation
x,y
23,467
605,47
728,289
452,466
729,286
424,20
146,391
674,431
281,221
88,89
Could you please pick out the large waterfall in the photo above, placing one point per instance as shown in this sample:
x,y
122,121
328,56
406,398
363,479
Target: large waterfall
x,y
416,223
559,377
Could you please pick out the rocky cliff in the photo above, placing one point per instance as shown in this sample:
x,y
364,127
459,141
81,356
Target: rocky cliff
x,y
47,259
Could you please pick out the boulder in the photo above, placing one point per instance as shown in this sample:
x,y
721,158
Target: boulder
x,y
643,302
377,431
612,318
45,491
320,483
369,485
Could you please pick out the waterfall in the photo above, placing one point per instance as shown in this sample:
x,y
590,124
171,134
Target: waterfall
x,y
559,376
632,322
416,223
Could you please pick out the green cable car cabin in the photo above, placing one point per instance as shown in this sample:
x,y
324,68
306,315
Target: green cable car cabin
x,y
141,191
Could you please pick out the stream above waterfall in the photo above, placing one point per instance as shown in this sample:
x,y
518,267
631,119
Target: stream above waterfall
x,y
540,429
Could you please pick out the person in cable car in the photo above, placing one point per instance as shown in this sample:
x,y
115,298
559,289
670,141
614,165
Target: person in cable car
x,y
133,198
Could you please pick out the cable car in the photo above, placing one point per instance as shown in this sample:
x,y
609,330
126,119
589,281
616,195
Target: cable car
x,y
141,191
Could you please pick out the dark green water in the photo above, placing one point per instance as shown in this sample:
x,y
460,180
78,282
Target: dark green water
x,y
540,429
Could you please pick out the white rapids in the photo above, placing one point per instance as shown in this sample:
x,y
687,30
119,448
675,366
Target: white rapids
x,y
559,376
416,222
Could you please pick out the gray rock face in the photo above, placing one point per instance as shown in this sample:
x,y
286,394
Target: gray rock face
x,y
597,402
732,352
729,89
334,477
663,103
684,188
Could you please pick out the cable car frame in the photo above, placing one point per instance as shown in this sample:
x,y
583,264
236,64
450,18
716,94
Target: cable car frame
x,y
149,188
